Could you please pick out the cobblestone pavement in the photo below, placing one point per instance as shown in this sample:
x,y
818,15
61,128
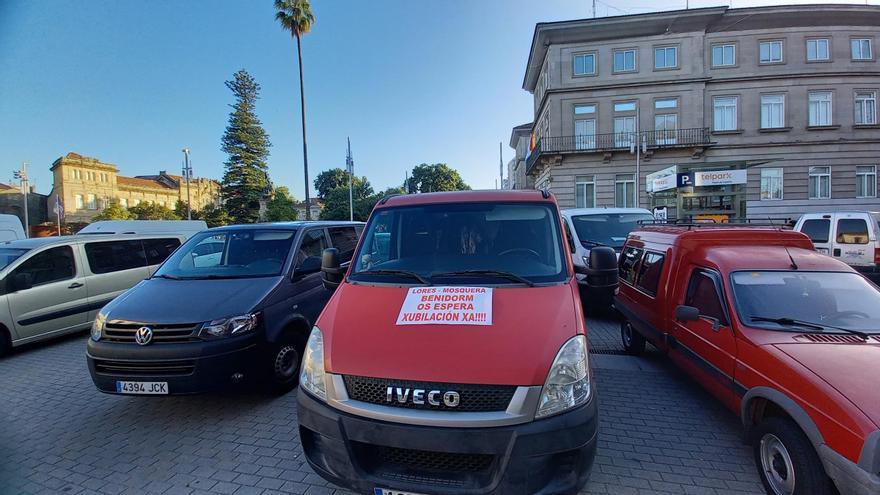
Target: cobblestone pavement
x,y
659,433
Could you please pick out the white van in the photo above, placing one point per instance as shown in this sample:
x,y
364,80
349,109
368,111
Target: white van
x,y
591,227
184,227
10,228
850,236
50,286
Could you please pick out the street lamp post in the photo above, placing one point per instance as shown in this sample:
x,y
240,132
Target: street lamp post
x,y
21,174
187,172
349,166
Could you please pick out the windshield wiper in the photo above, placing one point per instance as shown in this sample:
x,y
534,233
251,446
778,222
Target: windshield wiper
x,y
808,324
492,273
169,277
402,273
590,242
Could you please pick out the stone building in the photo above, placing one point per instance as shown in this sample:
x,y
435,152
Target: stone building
x,y
759,112
86,185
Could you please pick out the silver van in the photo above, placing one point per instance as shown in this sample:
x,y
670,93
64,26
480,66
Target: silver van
x,y
850,236
50,286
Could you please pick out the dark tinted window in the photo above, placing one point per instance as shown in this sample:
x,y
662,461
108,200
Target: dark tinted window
x,y
817,229
114,256
852,231
51,265
159,249
703,295
345,240
649,272
629,258
313,244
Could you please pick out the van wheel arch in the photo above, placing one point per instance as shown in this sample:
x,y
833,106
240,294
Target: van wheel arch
x,y
5,340
764,402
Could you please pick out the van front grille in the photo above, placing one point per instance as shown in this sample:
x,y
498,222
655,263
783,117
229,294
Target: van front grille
x,y
145,368
473,398
447,469
115,331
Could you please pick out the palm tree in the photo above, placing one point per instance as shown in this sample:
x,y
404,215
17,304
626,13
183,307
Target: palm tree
x,y
296,16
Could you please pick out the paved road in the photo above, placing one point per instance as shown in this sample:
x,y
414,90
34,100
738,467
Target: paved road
x,y
660,433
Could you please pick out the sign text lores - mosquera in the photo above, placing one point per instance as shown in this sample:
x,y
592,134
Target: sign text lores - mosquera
x,y
446,306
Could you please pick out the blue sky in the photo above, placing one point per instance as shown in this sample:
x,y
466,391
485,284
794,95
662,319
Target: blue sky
x,y
132,83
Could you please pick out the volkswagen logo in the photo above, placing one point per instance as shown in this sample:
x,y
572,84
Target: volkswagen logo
x,y
143,336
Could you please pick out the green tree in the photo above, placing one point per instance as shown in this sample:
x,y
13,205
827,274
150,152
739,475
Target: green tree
x,y
336,205
246,179
296,16
434,178
215,216
282,206
180,210
114,211
329,180
153,211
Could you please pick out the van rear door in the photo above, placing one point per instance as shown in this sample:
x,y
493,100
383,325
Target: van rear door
x,y
853,236
818,229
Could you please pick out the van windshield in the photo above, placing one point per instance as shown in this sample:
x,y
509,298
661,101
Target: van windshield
x,y
234,254
607,229
8,255
462,243
833,299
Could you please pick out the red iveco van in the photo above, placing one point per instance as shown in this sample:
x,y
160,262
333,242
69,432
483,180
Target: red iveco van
x,y
452,356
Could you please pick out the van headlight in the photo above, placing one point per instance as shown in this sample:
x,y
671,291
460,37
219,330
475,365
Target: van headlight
x,y
224,327
568,382
98,326
311,375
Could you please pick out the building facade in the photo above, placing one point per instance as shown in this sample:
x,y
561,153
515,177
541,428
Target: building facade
x,y
516,169
764,112
315,209
87,185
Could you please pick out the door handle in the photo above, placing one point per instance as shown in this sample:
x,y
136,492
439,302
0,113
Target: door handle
x,y
75,285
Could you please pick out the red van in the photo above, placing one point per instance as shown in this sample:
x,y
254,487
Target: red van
x,y
787,338
452,356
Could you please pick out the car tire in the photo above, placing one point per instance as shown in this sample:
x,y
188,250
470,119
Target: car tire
x,y
5,344
786,460
284,359
633,342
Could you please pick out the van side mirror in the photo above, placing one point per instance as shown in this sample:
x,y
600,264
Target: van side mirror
x,y
602,272
21,281
686,313
332,272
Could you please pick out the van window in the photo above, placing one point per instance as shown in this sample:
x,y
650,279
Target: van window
x,y
609,229
8,255
51,265
345,240
703,294
313,244
115,256
627,264
817,229
236,253
649,272
568,238
159,249
852,231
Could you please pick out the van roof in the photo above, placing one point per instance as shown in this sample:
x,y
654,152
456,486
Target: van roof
x,y
720,234
570,212
36,242
480,196
287,225
773,257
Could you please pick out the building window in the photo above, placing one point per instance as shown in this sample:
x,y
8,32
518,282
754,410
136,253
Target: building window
x,y
624,191
584,191
123,202
666,57
866,107
772,111
817,50
584,64
866,182
666,103
78,201
624,131
820,182
135,202
725,113
770,52
584,109
724,55
585,134
91,202
820,108
861,49
771,183
624,60
665,126
625,106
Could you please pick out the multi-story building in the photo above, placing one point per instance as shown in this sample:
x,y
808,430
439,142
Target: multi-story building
x,y
86,185
516,170
759,112
316,205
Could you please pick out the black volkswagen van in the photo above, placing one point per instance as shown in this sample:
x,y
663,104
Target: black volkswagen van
x,y
232,305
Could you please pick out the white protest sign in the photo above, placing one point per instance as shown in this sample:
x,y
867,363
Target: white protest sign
x,y
446,306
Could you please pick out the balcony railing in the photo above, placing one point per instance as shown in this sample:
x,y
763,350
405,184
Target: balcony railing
x,y
656,139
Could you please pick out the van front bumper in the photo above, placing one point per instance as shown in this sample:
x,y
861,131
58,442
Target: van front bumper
x,y
187,367
546,456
